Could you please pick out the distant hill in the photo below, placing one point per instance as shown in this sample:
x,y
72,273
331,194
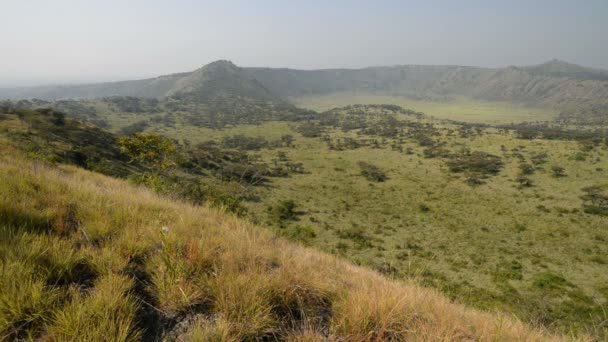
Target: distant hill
x,y
558,68
555,84
214,79
220,78
214,96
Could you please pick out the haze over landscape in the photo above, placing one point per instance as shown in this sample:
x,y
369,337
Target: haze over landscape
x,y
352,171
73,41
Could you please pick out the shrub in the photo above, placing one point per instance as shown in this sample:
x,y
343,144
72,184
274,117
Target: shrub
x,y
150,148
424,207
287,139
358,236
595,201
284,210
58,118
310,130
474,178
505,270
478,162
252,174
135,127
243,142
436,151
303,234
523,181
550,281
558,171
372,172
342,247
539,158
526,169
579,156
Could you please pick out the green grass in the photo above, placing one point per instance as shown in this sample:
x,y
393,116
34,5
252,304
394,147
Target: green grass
x,y
85,257
427,223
271,131
484,245
458,109
530,251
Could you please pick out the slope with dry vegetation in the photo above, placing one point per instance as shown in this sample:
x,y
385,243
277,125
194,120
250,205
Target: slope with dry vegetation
x,y
87,257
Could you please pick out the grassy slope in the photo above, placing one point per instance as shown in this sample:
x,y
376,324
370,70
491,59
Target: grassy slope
x,y
495,257
85,257
459,109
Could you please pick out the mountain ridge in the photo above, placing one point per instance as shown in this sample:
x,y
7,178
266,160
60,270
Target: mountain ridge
x,y
555,83
219,78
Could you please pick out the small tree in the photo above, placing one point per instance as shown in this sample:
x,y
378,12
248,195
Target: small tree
x,y
476,162
539,158
526,169
310,130
58,118
302,234
136,127
372,172
150,148
523,181
287,139
595,200
282,156
284,210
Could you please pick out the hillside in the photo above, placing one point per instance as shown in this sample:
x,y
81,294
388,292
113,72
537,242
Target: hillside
x,y
209,172
558,68
389,189
220,78
476,211
213,79
578,93
555,84
87,257
217,95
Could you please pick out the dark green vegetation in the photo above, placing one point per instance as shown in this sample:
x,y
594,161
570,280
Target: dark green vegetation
x,y
596,200
372,172
202,172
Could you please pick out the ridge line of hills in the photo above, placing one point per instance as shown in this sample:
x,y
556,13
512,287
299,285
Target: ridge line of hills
x,y
554,84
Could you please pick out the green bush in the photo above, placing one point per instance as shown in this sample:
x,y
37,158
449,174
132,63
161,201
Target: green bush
x,y
284,210
477,162
524,181
310,130
550,281
558,171
526,169
595,201
303,234
243,142
372,172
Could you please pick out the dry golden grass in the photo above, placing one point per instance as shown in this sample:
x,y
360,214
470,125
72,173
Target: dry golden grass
x,y
155,261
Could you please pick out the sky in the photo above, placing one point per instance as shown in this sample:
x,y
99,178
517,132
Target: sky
x,y
77,41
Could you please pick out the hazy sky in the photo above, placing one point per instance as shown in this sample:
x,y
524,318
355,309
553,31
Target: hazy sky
x,y
51,41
